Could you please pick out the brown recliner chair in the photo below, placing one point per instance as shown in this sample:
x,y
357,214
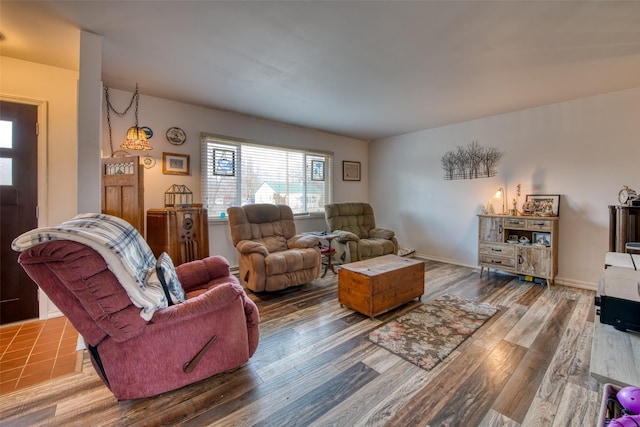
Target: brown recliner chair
x,y
271,255
358,237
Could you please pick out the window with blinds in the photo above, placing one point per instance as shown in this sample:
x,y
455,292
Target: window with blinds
x,y
236,172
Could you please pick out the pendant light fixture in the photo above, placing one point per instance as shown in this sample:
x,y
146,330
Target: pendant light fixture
x,y
136,136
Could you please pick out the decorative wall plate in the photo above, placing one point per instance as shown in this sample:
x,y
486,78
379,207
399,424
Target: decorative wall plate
x,y
148,162
147,131
120,153
176,136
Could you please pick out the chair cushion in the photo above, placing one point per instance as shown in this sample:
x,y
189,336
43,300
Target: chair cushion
x,y
169,279
290,261
356,218
274,243
260,221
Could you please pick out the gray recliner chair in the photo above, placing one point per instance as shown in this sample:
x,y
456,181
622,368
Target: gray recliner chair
x,y
358,237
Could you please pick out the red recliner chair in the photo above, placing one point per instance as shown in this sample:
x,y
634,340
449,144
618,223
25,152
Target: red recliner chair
x,y
214,330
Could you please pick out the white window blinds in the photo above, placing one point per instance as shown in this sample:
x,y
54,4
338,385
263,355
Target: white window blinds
x,y
236,172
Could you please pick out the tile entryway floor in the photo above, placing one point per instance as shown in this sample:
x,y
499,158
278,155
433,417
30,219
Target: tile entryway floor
x,y
37,350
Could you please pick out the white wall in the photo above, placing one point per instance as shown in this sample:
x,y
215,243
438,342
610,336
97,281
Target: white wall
x,y
161,114
585,150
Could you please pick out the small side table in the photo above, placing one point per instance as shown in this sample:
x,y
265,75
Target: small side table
x,y
328,253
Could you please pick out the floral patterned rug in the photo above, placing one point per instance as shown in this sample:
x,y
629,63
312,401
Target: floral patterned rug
x,y
429,333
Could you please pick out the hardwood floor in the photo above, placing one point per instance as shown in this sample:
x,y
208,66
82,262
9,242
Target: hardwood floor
x,y
527,366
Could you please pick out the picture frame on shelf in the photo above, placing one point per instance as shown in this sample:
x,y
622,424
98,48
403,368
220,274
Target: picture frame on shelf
x,y
543,239
350,171
542,204
175,164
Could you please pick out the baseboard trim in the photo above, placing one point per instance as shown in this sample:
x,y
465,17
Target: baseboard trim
x,y
445,260
576,284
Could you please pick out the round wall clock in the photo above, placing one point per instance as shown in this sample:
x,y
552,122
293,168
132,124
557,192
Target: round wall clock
x,y
625,195
176,136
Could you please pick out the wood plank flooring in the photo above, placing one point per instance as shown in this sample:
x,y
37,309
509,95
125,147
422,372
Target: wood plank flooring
x,y
527,366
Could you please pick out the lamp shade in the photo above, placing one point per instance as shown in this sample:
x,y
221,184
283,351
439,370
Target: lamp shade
x,y
136,140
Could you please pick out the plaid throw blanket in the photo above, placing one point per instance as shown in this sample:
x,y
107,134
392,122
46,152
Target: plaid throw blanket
x,y
124,250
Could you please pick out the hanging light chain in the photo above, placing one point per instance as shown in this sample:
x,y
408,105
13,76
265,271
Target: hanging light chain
x,y
135,97
106,96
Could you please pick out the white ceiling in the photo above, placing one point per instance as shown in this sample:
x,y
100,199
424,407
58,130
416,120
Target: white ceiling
x,y
366,69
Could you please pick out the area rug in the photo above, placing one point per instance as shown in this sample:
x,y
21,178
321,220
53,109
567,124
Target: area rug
x,y
430,332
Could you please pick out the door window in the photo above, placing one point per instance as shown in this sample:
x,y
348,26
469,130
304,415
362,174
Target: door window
x,y
6,163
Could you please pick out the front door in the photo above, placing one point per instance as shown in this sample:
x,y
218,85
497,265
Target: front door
x,y
18,204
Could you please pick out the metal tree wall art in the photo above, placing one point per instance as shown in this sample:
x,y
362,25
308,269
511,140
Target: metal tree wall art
x,y
472,161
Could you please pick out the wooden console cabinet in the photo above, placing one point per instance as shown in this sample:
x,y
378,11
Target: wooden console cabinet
x,y
499,245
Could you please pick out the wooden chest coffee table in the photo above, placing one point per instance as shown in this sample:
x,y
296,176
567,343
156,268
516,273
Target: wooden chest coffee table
x,y
377,285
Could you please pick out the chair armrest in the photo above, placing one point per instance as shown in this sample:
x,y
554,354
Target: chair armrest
x,y
345,236
301,241
215,299
196,273
246,247
381,233
212,300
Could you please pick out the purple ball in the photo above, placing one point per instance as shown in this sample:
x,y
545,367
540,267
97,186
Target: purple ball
x,y
629,398
626,421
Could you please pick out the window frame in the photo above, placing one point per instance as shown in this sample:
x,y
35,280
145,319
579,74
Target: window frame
x,y
210,143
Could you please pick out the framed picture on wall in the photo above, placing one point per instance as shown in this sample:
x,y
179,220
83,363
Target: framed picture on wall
x,y
175,164
350,171
224,162
317,170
